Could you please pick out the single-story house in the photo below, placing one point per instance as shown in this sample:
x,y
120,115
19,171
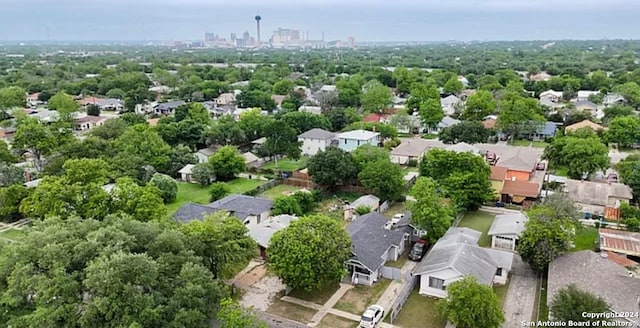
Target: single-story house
x,y
520,162
497,178
225,99
597,196
517,191
373,243
449,104
263,231
185,173
105,104
542,76
506,229
203,154
596,273
315,140
613,99
248,209
621,242
251,160
583,95
457,255
585,105
463,147
88,122
551,95
489,123
410,149
444,123
584,124
328,88
370,201
278,99
310,109
547,130
168,108
349,141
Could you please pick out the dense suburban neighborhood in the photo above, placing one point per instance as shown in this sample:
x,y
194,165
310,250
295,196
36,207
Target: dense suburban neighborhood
x,y
151,188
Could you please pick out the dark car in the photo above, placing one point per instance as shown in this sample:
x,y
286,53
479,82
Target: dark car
x,y
419,249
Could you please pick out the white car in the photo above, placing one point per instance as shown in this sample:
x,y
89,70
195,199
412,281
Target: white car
x,y
372,316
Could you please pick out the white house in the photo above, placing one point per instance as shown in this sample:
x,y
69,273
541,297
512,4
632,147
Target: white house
x,y
506,229
203,154
349,141
449,104
185,173
612,99
457,255
315,140
410,149
225,99
463,147
551,96
263,231
445,123
583,95
88,122
310,109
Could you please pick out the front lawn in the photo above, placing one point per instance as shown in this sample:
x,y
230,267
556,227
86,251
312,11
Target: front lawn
x,y
291,311
521,142
479,221
429,136
585,239
334,321
319,297
358,298
242,185
279,191
286,164
540,144
189,193
418,312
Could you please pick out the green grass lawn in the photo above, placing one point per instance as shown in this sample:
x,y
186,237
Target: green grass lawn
x,y
501,291
13,234
319,297
189,192
278,191
480,221
399,263
585,238
520,142
540,144
287,164
559,171
396,208
429,136
527,143
242,185
357,299
419,312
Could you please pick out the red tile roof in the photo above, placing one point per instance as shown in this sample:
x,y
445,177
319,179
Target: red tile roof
x,y
521,188
373,117
621,260
498,173
624,242
489,124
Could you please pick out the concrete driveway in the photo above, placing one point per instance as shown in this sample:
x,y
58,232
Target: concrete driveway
x,y
521,296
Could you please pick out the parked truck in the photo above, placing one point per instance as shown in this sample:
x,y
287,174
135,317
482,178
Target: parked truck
x,y
418,250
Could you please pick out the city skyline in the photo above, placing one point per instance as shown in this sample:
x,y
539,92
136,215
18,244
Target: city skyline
x,y
404,20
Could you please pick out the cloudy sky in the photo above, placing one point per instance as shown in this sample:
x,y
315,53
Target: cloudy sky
x,y
366,20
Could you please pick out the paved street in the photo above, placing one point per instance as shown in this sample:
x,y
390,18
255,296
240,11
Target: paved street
x,y
521,297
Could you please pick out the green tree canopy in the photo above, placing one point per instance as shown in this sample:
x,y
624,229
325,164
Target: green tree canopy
x,y
466,131
303,122
623,130
167,186
479,105
367,154
570,303
471,304
376,97
11,97
141,140
581,155
428,211
332,167
384,179
453,86
226,163
430,112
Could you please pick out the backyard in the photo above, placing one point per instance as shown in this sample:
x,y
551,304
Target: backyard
x,y
12,234
480,221
358,298
194,193
585,239
278,191
418,312
395,208
286,164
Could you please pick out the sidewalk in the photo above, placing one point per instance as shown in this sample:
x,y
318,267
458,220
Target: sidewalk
x,y
395,287
329,304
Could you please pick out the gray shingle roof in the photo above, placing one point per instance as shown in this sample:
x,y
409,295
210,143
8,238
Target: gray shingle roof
x,y
508,224
239,206
263,232
367,200
548,129
170,105
190,212
370,240
317,134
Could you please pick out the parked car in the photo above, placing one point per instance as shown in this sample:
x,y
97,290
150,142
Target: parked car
x,y
541,166
612,177
419,249
372,316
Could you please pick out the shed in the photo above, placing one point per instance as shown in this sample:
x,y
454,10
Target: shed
x,y
370,201
186,173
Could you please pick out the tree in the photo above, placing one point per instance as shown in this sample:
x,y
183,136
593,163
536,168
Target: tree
x,y
471,304
631,93
332,167
403,121
420,93
198,114
464,177
226,163
93,110
167,186
10,198
218,191
430,112
12,97
479,105
429,212
283,87
286,205
310,253
255,99
140,203
384,179
545,237
367,154
629,169
141,140
519,115
225,131
581,155
616,111
203,173
623,130
223,242
10,175
453,86
123,273
36,138
570,303
116,94
233,315
253,124
303,122
376,98
6,155
466,131
63,103
281,140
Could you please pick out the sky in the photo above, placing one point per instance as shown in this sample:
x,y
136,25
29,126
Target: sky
x,y
366,20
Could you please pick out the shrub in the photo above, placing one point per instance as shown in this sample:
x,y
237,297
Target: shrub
x,y
167,185
412,163
363,209
218,190
306,200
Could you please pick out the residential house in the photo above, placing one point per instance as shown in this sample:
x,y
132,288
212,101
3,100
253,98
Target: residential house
x,y
551,95
226,99
444,123
203,154
328,88
248,209
497,178
105,104
168,108
349,141
410,149
373,243
46,116
463,147
597,197
370,201
613,99
598,274
583,95
584,124
251,160
278,99
519,191
456,255
521,181
520,163
33,100
545,131
553,106
263,231
186,173
619,241
489,123
463,80
450,104
310,109
542,76
585,106
464,94
88,122
315,140
259,141
506,229
160,89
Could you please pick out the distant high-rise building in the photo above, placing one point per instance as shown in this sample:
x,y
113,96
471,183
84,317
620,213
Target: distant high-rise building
x,y
209,37
295,35
258,18
233,37
246,36
352,41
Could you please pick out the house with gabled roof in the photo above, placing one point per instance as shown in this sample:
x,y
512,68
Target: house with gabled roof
x,y
584,124
263,231
456,255
316,140
506,229
248,209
